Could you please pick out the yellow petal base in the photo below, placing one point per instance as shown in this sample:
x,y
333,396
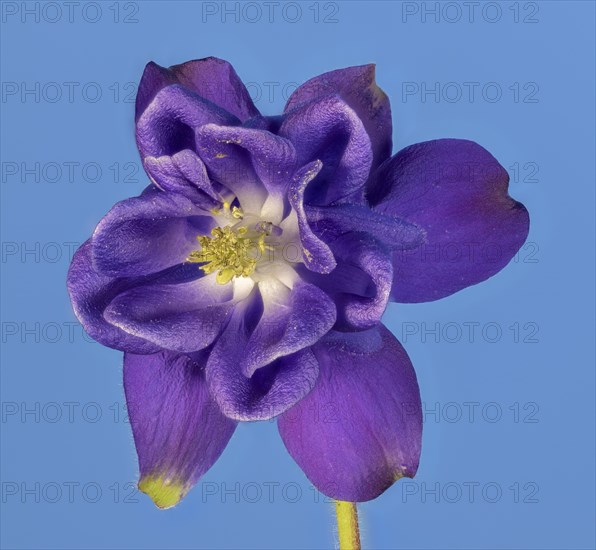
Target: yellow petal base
x,y
165,493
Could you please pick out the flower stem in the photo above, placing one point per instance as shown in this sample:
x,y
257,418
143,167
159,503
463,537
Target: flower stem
x,y
347,525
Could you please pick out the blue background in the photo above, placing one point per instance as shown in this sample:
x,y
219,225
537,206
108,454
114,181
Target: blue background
x,y
544,370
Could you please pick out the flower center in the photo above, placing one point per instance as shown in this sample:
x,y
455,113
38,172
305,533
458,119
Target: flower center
x,y
232,252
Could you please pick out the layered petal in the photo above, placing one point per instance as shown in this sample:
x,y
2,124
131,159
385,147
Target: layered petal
x,y
255,165
359,430
211,78
358,88
334,221
291,320
316,254
90,293
456,192
147,234
272,158
184,173
269,392
168,124
261,364
182,317
361,283
178,429
330,131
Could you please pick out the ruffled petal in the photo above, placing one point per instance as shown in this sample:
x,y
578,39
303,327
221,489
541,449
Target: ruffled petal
x,y
178,429
184,173
90,293
360,284
270,389
182,317
358,88
251,163
168,124
316,254
291,320
330,131
211,78
272,158
456,192
268,123
147,234
359,430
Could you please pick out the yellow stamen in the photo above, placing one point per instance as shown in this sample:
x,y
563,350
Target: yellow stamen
x,y
229,251
227,210
237,213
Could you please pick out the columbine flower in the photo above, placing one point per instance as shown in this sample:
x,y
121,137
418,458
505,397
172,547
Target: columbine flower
x,y
249,280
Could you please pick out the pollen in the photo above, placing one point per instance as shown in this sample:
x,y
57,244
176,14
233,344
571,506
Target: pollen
x,y
230,252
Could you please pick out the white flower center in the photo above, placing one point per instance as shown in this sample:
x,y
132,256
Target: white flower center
x,y
245,245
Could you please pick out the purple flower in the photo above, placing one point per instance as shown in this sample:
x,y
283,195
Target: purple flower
x,y
249,280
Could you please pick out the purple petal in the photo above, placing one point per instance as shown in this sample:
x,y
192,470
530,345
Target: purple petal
x,y
182,317
211,78
153,80
186,174
330,131
273,158
269,123
360,284
271,389
316,254
150,190
359,430
147,234
456,192
335,221
249,162
168,124
178,429
288,323
90,293
357,87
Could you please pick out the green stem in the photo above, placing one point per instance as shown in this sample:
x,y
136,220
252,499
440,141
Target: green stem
x,y
347,525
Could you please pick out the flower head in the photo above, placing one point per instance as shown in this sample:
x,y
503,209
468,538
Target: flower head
x,y
249,279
